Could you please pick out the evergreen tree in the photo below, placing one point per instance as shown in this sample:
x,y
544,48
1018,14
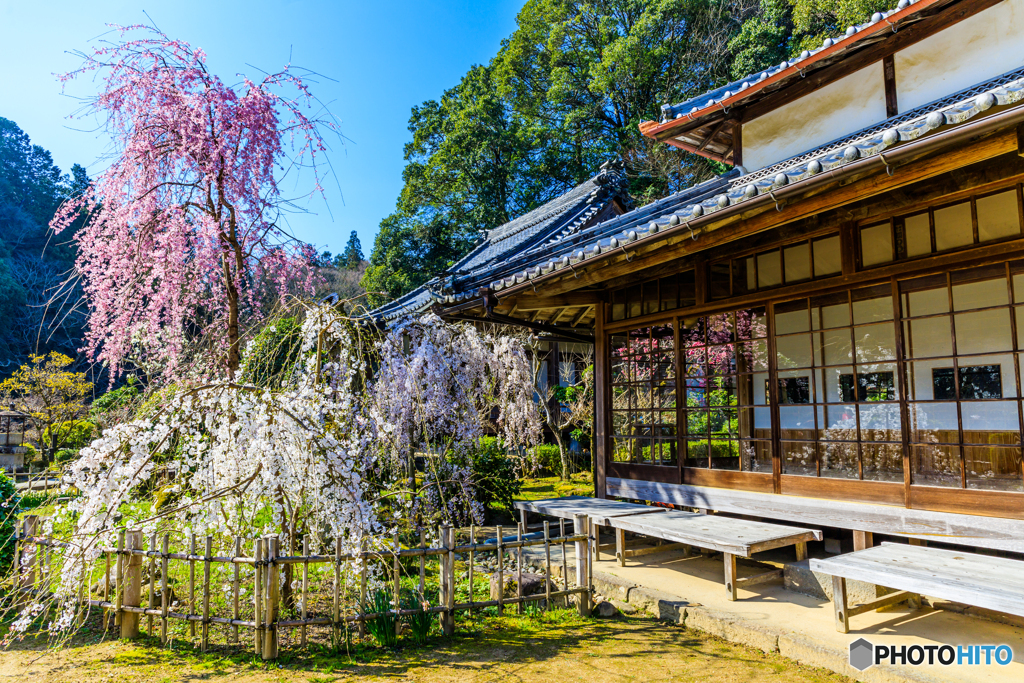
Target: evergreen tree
x,y
353,254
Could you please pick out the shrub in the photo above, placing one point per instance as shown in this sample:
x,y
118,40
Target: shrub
x,y
548,458
73,435
9,506
495,478
115,398
271,355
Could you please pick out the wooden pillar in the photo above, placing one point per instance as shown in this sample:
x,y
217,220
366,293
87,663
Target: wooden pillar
x,y
599,447
862,540
918,541
132,585
448,626
620,547
581,525
730,574
839,602
801,551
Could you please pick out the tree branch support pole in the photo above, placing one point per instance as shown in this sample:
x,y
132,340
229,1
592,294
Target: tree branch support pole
x,y
581,526
132,585
25,561
448,580
270,635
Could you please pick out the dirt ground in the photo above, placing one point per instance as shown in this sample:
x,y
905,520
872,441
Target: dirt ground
x,y
544,648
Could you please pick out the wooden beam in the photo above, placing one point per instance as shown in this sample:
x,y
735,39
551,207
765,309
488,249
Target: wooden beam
x,y
579,316
558,314
710,136
737,144
889,76
534,302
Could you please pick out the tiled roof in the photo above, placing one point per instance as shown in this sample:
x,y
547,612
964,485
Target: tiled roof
x,y
558,219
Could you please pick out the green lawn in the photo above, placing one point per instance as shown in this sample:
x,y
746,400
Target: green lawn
x,y
581,484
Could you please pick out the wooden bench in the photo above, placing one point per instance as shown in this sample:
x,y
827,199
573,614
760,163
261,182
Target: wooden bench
x,y
599,510
993,583
732,537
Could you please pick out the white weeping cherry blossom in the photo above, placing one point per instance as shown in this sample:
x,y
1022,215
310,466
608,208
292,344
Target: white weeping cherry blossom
x,y
324,453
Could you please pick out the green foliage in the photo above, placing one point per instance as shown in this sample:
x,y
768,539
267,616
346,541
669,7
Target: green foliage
x,y
763,39
271,355
420,622
495,477
353,254
383,628
548,458
115,399
815,20
72,435
9,506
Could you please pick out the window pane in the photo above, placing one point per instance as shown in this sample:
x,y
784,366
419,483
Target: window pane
x,y
872,304
928,337
998,216
827,260
633,301
982,418
687,289
993,468
791,317
793,351
980,288
880,422
744,278
918,232
830,311
925,296
953,227
798,458
651,299
798,262
876,244
921,378
875,343
839,461
934,423
797,422
983,331
840,423
719,280
936,465
769,269
669,294
882,461
836,346
751,323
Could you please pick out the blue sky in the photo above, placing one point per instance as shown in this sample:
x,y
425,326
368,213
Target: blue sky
x,y
384,57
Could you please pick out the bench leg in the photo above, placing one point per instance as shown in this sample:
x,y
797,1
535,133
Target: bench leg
x,y
801,551
730,574
620,546
839,602
863,540
522,519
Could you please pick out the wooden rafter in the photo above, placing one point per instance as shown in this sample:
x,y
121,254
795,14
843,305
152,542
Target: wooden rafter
x,y
580,315
712,134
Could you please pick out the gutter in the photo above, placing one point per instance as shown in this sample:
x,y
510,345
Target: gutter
x,y
888,159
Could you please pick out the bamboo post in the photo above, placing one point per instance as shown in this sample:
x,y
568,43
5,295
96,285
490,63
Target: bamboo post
x,y
133,586
206,592
258,596
270,636
581,525
565,561
152,583
501,573
442,579
520,528
192,585
472,548
305,585
165,591
119,586
234,589
19,544
362,586
449,613
336,631
423,567
397,578
547,565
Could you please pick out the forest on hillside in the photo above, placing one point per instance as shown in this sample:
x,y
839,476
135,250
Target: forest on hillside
x,y
565,93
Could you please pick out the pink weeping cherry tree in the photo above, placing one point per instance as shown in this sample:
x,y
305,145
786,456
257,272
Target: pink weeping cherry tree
x,y
183,236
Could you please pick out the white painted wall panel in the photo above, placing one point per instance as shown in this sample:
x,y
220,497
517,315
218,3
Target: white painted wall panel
x,y
976,49
851,103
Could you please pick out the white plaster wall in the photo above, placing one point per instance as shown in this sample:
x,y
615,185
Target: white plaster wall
x,y
980,47
851,103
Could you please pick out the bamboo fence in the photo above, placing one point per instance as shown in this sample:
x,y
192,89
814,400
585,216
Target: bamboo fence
x,y
122,595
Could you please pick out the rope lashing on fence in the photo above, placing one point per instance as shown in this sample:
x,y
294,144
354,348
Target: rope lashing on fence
x,y
122,597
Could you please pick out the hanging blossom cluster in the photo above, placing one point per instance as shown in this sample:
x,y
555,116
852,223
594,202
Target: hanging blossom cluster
x,y
318,453
183,225
438,385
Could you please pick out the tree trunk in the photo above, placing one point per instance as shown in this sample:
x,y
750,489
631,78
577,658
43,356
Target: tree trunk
x,y
563,454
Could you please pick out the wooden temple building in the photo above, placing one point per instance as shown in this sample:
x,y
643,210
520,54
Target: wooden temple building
x,y
832,331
